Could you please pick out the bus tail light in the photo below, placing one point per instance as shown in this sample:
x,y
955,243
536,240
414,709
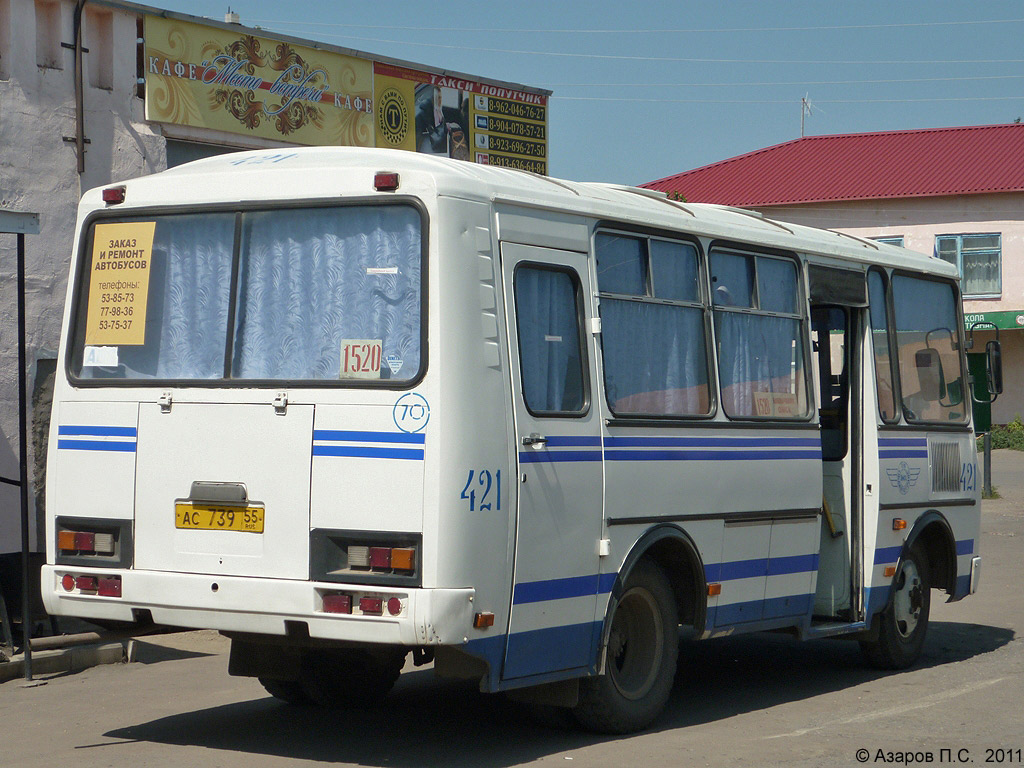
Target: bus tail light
x,y
104,586
371,605
82,541
113,195
363,557
380,557
337,603
362,604
385,182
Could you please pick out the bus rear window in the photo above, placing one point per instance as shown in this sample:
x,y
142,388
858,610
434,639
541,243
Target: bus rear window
x,y
310,294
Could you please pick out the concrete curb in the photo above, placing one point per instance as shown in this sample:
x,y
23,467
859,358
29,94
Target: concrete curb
x,y
73,659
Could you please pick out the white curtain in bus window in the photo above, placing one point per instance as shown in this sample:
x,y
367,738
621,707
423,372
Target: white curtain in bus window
x,y
880,347
759,336
313,281
187,308
550,361
654,359
928,344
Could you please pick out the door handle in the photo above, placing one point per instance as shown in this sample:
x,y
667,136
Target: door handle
x,y
536,440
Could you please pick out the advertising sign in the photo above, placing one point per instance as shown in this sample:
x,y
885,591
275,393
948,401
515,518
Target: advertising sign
x,y
234,81
119,283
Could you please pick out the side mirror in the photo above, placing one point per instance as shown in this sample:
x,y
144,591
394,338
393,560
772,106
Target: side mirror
x,y
994,367
929,374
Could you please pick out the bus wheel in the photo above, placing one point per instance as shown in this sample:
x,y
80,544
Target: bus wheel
x,y
289,691
903,624
640,659
351,677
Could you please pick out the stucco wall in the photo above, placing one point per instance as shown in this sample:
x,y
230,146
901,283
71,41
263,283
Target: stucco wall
x,y
38,173
918,221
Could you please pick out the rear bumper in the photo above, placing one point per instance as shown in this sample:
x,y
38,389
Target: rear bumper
x,y
262,606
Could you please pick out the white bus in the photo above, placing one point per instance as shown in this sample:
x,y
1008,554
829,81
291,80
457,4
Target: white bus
x,y
344,404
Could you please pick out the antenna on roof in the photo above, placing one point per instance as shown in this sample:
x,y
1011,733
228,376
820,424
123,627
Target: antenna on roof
x,y
806,108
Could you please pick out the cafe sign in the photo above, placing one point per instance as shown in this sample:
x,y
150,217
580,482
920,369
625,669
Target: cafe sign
x,y
208,77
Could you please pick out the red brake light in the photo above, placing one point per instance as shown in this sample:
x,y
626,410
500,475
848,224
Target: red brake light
x,y
113,195
394,606
85,542
337,604
380,557
87,583
110,587
68,582
371,605
385,182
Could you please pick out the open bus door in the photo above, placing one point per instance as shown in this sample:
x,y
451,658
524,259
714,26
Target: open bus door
x,y
839,319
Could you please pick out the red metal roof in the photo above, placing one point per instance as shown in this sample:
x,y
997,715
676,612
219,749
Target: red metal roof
x,y
862,166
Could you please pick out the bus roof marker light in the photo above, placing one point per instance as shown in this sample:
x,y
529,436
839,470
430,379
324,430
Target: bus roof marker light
x,y
114,195
384,181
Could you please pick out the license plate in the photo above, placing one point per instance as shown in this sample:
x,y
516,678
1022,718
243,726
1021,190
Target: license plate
x,y
211,517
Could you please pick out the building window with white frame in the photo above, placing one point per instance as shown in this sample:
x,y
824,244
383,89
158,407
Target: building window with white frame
x,y
978,258
890,240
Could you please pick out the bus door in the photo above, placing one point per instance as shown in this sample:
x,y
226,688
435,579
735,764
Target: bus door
x,y
838,322
558,451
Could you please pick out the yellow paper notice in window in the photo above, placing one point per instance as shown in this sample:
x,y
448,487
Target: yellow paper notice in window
x,y
119,283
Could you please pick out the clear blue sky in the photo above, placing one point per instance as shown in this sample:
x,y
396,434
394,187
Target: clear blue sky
x,y
647,88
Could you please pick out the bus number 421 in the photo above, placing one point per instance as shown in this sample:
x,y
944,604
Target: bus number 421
x,y
484,482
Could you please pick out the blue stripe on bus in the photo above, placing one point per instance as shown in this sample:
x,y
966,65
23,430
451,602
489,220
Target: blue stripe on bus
x,y
889,555
96,445
617,455
886,555
778,566
573,440
369,437
559,589
98,431
536,457
712,442
368,452
903,454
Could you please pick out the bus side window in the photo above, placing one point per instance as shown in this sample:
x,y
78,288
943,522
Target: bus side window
x,y
759,334
551,360
928,343
652,337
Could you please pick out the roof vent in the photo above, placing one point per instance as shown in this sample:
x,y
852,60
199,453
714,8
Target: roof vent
x,y
232,17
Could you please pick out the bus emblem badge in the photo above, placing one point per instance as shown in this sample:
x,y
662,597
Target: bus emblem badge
x,y
903,478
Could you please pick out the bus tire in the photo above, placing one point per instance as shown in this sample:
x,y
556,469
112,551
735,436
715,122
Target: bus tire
x,y
904,622
288,691
640,657
351,677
